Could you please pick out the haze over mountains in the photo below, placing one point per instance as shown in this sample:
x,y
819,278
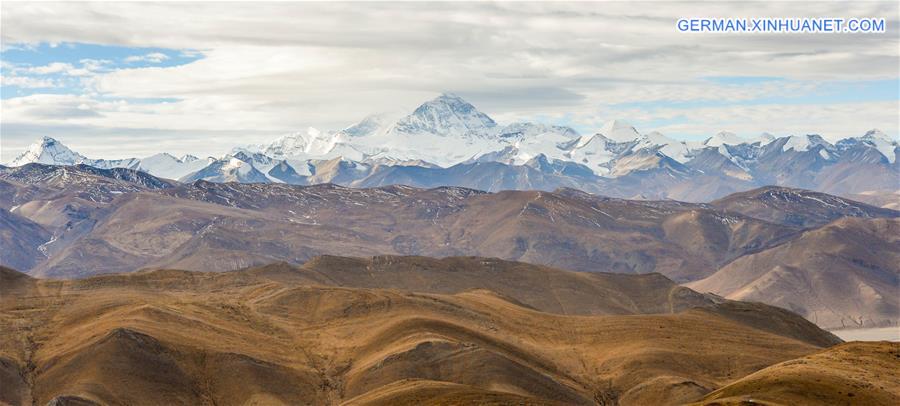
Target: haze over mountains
x,y
448,142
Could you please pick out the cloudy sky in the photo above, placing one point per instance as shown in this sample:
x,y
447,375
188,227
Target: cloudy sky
x,y
131,79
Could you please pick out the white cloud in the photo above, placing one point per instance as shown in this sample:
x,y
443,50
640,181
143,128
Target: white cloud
x,y
28,82
291,65
95,64
153,57
57,67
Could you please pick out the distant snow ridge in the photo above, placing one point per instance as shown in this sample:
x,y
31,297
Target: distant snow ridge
x,y
448,131
167,166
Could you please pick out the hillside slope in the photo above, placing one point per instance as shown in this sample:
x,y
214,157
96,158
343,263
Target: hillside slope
x,y
284,335
812,274
857,373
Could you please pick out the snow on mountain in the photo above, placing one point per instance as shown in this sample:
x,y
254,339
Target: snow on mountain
x,y
800,143
444,131
619,131
261,162
49,151
247,166
595,152
228,169
446,115
283,172
306,145
524,130
530,140
876,134
52,152
882,142
724,138
766,138
372,125
646,160
448,130
598,151
680,151
165,165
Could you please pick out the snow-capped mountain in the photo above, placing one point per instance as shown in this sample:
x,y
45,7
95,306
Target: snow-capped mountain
x,y
619,131
447,115
882,142
229,169
680,151
52,152
309,144
724,138
802,143
529,140
447,140
445,131
168,166
372,125
49,151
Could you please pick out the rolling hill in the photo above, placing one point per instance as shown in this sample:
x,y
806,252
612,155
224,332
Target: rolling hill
x,y
377,331
812,274
851,373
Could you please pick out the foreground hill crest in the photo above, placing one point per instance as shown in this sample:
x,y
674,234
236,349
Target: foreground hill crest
x,y
381,330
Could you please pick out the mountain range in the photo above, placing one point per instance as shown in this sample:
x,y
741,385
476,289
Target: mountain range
x,y
794,248
448,142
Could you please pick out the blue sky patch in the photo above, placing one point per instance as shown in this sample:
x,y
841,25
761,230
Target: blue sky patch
x,y
63,68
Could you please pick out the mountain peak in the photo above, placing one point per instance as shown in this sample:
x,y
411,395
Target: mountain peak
x,y
724,138
446,115
800,143
448,96
619,131
878,135
48,150
372,124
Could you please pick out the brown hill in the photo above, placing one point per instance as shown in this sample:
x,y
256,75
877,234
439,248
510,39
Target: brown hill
x,y
812,274
798,207
302,335
857,373
538,287
206,226
21,240
87,222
